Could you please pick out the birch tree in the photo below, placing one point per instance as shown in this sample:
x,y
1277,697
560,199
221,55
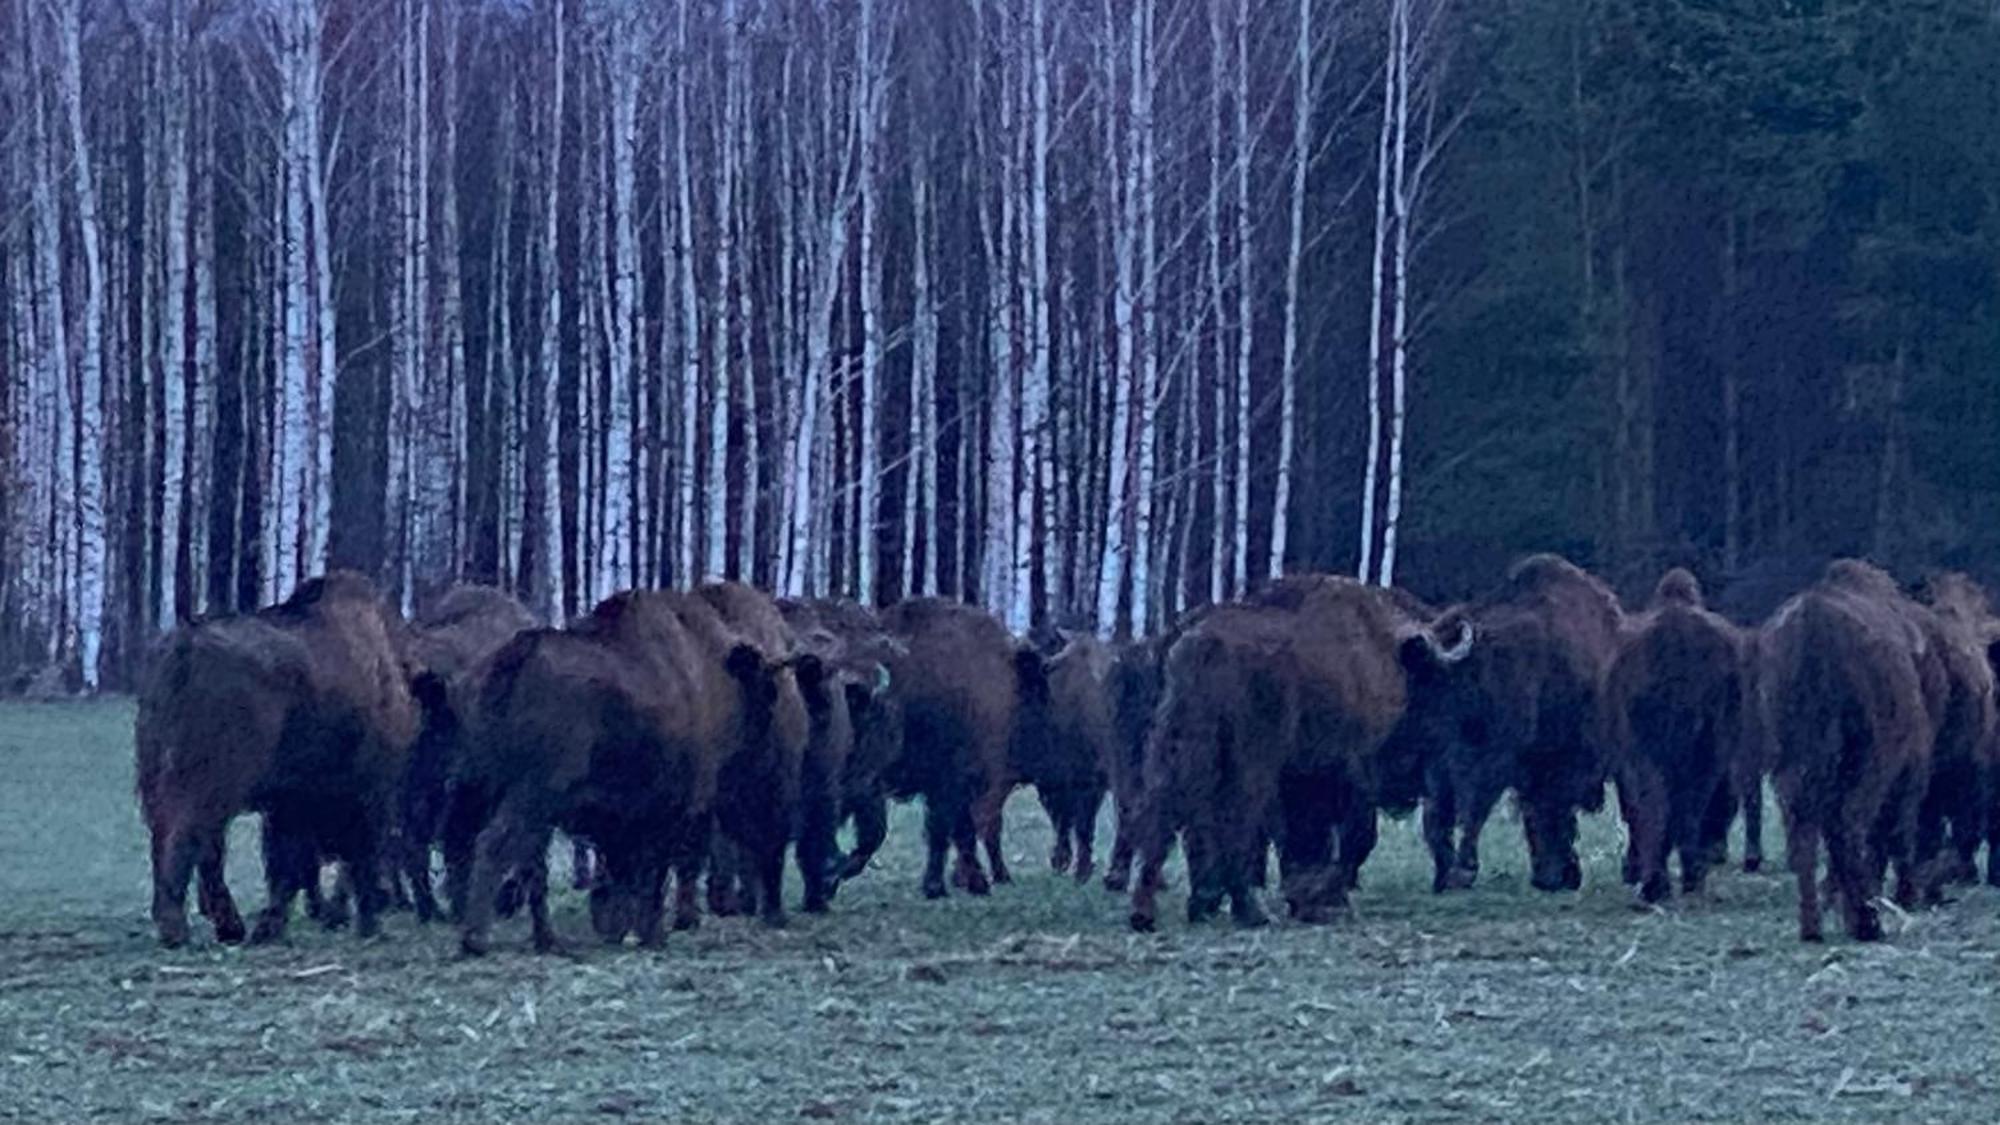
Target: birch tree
x,y
549,546
1281,503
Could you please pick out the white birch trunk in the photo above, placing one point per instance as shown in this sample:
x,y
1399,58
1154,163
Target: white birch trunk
x,y
1378,272
1124,196
1404,188
690,388
1039,449
57,407
201,426
1218,550
746,531
716,498
325,376
1143,77
1246,149
291,439
91,553
616,561
548,564
996,585
1287,402
868,108
173,314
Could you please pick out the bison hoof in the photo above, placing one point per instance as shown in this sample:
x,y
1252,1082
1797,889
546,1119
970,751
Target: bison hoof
x,y
1083,873
549,944
1868,927
934,888
1116,881
685,922
472,944
1655,889
174,933
1250,916
1059,860
368,928
774,919
267,930
1456,879
1142,923
230,931
1752,864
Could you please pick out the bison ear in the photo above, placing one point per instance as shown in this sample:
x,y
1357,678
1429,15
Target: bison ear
x,y
429,689
1031,669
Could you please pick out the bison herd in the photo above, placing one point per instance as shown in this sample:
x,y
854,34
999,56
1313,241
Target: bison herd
x,y
676,737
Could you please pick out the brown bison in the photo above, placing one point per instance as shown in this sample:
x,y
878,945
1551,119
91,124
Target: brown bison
x,y
852,644
1847,704
1674,702
760,794
301,712
1069,739
1958,623
958,680
1138,678
1285,712
446,644
1523,714
614,730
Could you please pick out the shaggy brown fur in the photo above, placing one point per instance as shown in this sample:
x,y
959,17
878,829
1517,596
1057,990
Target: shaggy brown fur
x,y
446,644
958,680
1138,679
1070,737
759,797
301,712
1523,714
1674,701
1843,694
615,731
866,708
1960,626
1284,712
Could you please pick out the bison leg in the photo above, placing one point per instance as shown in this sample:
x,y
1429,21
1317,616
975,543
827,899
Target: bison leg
x,y
1700,843
688,850
937,841
1855,876
966,839
1752,799
217,904
1642,799
536,875
1802,856
871,827
768,868
1472,818
818,856
987,819
724,865
175,851
1359,833
290,862
1083,822
1153,848
582,865
1056,803
1440,822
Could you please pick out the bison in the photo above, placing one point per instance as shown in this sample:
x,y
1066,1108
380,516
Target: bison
x,y
761,792
1674,702
1847,705
1523,714
1069,739
1959,625
958,680
857,652
447,643
1138,678
301,712
1286,712
615,730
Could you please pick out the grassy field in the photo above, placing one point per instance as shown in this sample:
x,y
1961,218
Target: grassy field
x,y
1036,1004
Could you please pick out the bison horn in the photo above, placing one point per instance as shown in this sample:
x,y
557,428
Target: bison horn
x,y
1456,651
881,679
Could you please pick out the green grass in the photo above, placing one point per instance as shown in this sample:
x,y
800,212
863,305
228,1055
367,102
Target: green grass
x,y
1036,1004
